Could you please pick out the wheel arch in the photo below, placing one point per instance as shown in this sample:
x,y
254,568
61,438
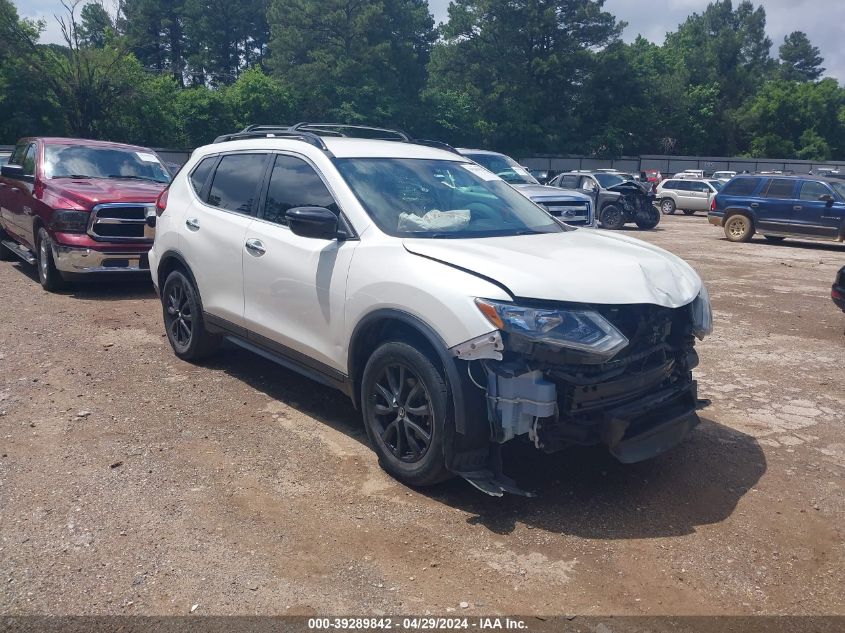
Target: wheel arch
x,y
170,261
732,211
467,444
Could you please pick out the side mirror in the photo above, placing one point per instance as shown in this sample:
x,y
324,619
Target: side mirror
x,y
826,197
12,171
316,222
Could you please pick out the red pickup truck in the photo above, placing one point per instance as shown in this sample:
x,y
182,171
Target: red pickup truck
x,y
78,208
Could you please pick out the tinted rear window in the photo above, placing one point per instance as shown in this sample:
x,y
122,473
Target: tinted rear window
x,y
235,183
741,186
780,188
200,173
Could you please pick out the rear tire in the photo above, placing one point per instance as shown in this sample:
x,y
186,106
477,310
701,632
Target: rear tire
x,y
48,275
183,319
689,212
739,228
774,238
612,217
405,401
667,206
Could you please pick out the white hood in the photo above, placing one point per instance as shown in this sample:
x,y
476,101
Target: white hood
x,y
583,266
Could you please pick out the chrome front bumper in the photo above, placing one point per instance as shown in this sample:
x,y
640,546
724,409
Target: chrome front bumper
x,y
73,260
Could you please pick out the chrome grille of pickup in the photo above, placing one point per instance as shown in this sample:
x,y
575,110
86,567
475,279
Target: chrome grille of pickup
x,y
575,212
121,222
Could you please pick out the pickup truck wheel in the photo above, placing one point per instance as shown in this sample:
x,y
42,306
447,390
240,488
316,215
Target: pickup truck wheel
x,y
739,228
612,217
51,279
405,403
183,319
667,206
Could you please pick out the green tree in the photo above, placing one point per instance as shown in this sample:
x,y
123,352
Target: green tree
x,y
521,62
353,60
800,60
256,98
95,25
725,48
154,30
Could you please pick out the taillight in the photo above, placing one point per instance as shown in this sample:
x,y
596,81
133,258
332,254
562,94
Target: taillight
x,y
161,202
713,204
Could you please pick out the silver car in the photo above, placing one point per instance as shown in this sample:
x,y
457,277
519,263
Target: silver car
x,y
687,195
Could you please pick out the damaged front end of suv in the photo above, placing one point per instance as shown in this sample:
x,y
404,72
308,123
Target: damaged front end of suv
x,y
559,375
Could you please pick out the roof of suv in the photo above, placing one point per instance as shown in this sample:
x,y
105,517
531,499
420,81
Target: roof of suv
x,y
343,147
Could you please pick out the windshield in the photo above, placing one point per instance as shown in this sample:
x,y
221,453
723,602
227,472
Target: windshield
x,y
839,187
79,161
505,168
410,197
608,180
716,184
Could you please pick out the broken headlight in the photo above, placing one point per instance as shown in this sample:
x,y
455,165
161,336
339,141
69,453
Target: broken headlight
x,y
582,330
702,315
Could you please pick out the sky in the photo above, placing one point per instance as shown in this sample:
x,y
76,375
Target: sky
x,y
821,19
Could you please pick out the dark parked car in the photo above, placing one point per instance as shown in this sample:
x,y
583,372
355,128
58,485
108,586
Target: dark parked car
x,y
779,207
617,200
837,291
543,176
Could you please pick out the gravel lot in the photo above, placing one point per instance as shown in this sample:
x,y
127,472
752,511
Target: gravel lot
x,y
131,482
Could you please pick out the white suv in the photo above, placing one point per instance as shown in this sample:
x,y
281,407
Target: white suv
x,y
455,313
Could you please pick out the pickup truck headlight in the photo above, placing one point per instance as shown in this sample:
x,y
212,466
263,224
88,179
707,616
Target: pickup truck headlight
x,y
702,315
69,221
583,330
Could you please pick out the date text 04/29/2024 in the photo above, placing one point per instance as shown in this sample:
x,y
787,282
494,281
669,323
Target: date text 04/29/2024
x,y
417,623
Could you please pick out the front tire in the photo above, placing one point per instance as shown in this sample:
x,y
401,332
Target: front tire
x,y
739,228
183,319
48,275
404,401
612,217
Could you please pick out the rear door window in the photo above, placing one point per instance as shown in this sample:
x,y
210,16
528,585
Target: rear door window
x,y
741,187
200,173
781,188
235,184
812,189
568,182
294,183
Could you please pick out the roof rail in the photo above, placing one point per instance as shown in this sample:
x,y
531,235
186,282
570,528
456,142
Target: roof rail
x,y
342,129
435,144
312,133
274,131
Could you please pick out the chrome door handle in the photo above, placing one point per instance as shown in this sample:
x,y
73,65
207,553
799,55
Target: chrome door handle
x,y
255,247
797,208
193,224
754,205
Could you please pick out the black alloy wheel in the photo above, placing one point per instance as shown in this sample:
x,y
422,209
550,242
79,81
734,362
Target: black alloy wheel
x,y
405,405
403,412
179,316
183,319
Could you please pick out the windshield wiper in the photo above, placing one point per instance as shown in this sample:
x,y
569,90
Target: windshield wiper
x,y
74,176
135,178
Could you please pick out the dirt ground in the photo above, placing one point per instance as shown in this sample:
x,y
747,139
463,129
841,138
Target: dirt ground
x,y
134,483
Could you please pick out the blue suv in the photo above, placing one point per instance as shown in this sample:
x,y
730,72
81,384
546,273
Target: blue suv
x,y
779,207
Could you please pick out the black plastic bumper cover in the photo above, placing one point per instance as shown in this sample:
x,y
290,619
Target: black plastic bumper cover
x,y
655,431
